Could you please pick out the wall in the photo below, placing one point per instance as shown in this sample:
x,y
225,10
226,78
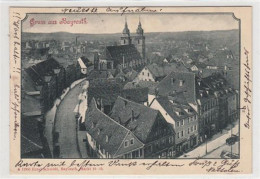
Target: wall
x,y
145,75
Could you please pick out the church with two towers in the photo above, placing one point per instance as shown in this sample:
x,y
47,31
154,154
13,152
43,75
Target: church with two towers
x,y
129,54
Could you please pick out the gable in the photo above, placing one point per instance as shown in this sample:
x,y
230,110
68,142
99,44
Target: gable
x,y
123,149
159,129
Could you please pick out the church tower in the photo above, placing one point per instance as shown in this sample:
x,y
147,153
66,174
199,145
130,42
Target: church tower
x,y
140,40
125,38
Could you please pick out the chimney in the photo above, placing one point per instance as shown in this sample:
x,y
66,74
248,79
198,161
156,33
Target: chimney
x,y
133,115
172,81
123,61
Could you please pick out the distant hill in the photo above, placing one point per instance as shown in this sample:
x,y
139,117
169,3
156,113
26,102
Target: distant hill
x,y
188,35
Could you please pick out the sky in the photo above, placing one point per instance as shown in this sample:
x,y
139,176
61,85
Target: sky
x,y
114,23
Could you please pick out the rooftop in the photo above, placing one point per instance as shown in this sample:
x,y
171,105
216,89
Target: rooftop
x,y
138,118
102,127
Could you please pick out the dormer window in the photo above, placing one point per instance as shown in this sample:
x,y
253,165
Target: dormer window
x,y
172,80
181,82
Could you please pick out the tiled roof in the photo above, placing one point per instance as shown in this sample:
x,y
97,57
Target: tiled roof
x,y
164,70
86,61
28,146
101,126
109,90
128,52
217,83
106,90
94,74
28,84
31,105
171,85
151,85
30,135
131,75
65,61
138,118
173,107
221,58
39,70
135,94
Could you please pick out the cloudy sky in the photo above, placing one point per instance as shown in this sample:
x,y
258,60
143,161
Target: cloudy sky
x,y
114,23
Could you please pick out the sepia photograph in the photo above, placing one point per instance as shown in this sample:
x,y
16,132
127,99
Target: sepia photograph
x,y
131,86
130,90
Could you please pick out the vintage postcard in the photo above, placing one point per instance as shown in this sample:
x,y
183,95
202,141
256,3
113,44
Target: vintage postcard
x,y
130,90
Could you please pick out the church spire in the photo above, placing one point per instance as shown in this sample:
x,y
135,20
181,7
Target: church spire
x,y
139,29
126,31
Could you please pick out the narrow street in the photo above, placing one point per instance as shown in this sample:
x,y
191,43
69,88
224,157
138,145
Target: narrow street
x,y
66,123
214,146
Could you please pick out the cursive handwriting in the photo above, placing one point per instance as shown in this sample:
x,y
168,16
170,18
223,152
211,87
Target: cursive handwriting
x,y
247,91
15,59
21,164
49,165
16,43
156,163
118,163
217,166
247,77
225,166
80,10
123,10
85,163
248,117
120,10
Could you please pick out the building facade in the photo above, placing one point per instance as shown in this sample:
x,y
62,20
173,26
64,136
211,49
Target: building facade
x,y
183,119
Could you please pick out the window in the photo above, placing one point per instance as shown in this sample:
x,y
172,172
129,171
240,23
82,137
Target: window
x,y
106,138
182,122
195,127
188,120
132,141
188,130
126,143
178,124
178,135
170,140
143,73
148,74
191,129
182,133
181,82
141,152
